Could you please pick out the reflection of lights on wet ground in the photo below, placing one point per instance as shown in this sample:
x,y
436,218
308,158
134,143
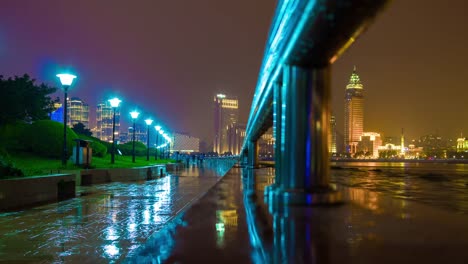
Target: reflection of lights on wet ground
x,y
111,234
220,228
226,219
111,250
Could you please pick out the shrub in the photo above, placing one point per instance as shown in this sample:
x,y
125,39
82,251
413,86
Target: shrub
x,y
99,149
126,149
7,168
45,137
12,136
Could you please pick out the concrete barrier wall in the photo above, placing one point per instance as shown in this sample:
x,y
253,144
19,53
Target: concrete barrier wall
x,y
96,176
21,192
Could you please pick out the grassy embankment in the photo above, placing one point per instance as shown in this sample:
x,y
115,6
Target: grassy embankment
x,y
32,164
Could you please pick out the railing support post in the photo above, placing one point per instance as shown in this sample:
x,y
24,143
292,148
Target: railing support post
x,y
304,167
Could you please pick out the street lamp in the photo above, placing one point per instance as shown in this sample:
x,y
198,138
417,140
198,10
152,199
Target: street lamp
x,y
115,102
148,122
134,115
161,155
157,142
66,80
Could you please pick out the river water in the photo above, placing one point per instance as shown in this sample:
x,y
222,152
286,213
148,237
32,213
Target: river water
x,y
437,184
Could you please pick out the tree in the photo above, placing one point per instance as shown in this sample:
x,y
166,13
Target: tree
x,y
80,129
22,99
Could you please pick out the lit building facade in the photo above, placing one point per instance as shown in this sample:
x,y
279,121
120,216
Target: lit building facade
x,y
266,145
332,149
225,114
184,143
462,144
140,133
354,113
236,135
78,112
369,144
104,115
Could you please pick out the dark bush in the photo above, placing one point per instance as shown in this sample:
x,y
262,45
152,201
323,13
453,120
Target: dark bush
x,y
45,138
99,149
7,168
126,149
12,136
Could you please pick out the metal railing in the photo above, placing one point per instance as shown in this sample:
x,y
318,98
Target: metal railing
x,y
293,92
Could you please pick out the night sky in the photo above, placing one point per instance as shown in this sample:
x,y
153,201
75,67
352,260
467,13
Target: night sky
x,y
168,58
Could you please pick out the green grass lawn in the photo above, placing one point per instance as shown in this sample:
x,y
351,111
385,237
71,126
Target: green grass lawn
x,y
32,164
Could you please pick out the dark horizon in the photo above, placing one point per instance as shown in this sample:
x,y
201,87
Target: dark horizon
x,y
177,56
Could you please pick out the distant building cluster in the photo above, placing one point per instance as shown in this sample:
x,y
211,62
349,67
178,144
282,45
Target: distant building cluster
x,y
372,145
78,112
229,133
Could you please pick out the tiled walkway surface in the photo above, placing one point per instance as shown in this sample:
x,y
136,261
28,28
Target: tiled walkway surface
x,y
105,224
232,224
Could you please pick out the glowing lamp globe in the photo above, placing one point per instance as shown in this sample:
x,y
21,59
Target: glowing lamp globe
x,y
149,121
134,114
66,79
157,128
115,102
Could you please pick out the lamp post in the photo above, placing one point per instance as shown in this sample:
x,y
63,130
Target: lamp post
x,y
115,102
134,115
157,142
161,155
66,80
148,122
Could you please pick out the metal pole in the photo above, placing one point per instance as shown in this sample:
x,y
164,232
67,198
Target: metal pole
x,y
133,151
65,108
156,148
113,138
147,144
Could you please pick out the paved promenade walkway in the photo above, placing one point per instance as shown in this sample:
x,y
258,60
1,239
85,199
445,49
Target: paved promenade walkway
x,y
233,224
106,223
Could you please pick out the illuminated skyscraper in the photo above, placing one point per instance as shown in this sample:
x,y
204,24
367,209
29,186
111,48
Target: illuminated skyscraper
x,y
78,112
104,121
236,135
332,135
225,114
354,112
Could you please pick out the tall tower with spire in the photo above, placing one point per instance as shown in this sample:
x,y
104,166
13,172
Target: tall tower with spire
x,y
354,112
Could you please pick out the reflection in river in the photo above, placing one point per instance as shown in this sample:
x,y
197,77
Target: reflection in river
x,y
439,184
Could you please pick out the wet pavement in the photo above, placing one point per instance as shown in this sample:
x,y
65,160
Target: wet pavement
x,y
233,224
106,223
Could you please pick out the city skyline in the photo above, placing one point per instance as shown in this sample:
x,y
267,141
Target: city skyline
x,y
406,58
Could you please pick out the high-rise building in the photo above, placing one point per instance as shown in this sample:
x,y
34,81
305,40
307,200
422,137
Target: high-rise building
x,y
236,135
354,113
225,114
104,115
78,112
332,136
369,144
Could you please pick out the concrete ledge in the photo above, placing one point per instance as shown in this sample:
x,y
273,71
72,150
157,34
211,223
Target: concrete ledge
x,y
22,192
174,167
97,176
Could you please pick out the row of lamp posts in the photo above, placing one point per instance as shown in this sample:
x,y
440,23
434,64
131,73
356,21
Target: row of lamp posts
x,y
66,80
